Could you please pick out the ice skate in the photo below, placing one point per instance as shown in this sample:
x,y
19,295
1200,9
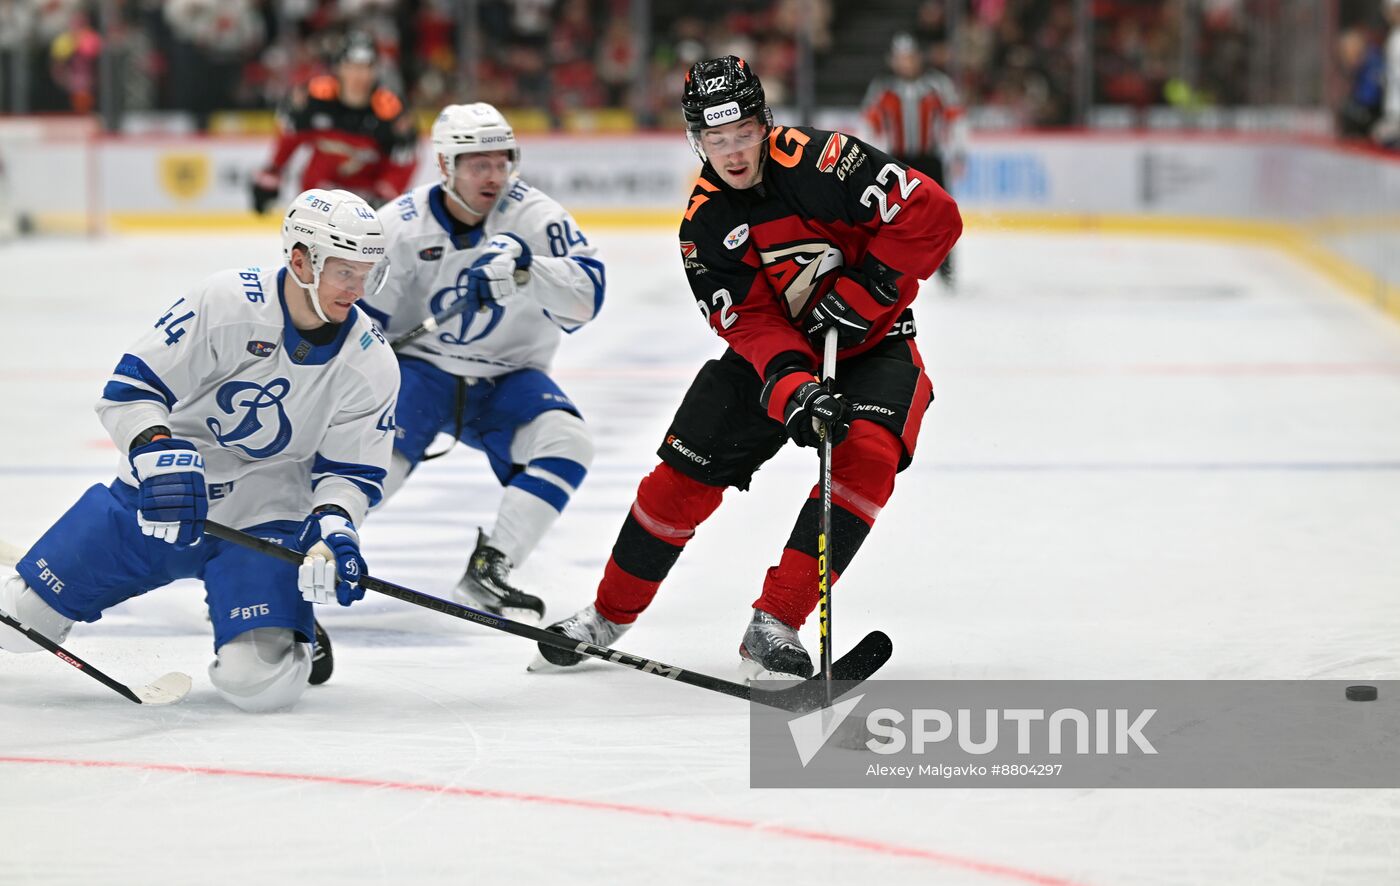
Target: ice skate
x,y
486,586
771,650
587,626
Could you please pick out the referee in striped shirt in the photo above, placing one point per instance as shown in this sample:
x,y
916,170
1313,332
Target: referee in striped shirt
x,y
916,116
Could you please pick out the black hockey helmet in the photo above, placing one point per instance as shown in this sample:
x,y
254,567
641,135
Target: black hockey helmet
x,y
720,91
358,48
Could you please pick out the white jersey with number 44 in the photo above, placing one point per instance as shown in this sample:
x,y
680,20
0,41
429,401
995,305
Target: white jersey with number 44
x,y
284,425
428,268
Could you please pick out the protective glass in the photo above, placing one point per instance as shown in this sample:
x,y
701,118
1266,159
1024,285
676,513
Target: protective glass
x,y
479,166
732,137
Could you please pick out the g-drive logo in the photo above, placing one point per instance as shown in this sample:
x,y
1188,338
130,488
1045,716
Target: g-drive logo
x,y
1066,731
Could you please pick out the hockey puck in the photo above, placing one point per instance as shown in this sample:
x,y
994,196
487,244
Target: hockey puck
x,y
1361,693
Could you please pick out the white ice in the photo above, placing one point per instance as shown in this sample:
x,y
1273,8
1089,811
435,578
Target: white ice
x,y
1148,458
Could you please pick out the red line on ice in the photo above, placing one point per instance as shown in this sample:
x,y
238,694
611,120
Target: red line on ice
x,y
874,846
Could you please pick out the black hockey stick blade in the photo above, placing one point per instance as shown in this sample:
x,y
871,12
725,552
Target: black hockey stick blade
x,y
164,690
856,666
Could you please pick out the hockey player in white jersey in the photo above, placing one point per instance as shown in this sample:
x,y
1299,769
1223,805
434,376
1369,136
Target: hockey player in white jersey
x,y
514,259
262,399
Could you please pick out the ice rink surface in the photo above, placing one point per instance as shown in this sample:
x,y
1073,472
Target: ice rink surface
x,y
1148,458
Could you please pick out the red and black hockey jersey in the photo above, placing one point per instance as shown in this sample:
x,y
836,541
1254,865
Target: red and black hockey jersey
x,y
759,259
370,150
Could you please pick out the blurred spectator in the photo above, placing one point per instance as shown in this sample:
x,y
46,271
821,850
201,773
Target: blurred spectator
x,y
73,58
16,33
1387,129
212,41
1363,66
616,61
931,23
557,56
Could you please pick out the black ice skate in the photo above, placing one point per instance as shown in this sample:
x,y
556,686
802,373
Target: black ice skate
x,y
585,625
322,661
771,649
486,586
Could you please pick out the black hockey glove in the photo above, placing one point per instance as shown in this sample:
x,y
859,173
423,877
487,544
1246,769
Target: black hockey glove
x,y
266,185
858,297
810,408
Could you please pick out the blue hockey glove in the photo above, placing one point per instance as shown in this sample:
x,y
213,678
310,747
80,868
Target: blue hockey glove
x,y
172,500
333,566
497,274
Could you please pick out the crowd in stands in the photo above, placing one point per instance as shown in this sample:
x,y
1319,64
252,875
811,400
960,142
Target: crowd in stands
x,y
558,55
564,55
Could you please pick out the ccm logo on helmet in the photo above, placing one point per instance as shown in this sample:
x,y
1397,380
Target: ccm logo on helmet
x,y
725,113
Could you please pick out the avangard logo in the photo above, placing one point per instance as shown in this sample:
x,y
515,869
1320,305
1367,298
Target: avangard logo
x,y
796,269
831,153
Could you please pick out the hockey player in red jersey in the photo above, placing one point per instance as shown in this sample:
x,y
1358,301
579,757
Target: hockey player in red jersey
x,y
789,231
361,138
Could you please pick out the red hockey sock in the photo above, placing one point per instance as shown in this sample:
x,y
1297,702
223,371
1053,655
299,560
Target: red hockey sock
x,y
663,518
863,469
623,597
790,588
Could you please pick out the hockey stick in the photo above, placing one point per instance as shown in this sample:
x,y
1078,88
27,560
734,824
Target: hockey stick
x,y
522,276
164,690
857,665
824,536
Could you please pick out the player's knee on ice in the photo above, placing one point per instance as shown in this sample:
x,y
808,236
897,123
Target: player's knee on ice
x,y
19,601
264,669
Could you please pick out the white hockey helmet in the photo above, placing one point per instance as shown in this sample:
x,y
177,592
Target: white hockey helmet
x,y
471,129
334,224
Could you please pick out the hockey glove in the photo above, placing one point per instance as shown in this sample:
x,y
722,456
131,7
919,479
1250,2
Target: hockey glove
x,y
852,304
810,410
172,500
333,566
266,186
497,275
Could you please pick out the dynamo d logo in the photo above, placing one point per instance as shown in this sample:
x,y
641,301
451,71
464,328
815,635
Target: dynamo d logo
x,y
260,417
449,296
